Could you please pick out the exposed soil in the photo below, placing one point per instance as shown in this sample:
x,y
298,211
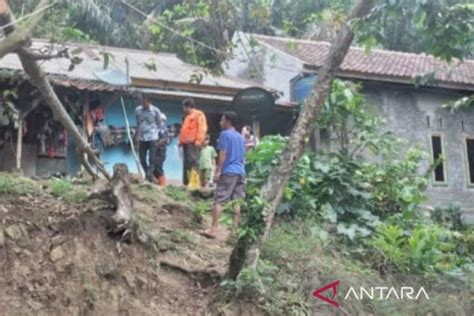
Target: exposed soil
x,y
57,258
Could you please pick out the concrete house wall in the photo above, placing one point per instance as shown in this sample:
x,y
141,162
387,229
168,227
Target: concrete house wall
x,y
266,67
405,108
416,115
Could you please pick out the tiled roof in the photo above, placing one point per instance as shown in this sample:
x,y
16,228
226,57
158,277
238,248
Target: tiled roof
x,y
169,68
378,64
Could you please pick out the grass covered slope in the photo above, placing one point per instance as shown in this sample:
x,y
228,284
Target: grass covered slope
x,y
58,257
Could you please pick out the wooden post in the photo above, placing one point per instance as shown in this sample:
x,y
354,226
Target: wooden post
x,y
130,139
19,142
85,114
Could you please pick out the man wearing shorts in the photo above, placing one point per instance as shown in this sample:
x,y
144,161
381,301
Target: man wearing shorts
x,y
230,172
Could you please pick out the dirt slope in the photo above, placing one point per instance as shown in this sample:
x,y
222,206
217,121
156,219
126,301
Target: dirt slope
x,y
57,258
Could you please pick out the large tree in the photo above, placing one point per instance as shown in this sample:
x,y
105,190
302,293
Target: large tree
x,y
247,252
446,35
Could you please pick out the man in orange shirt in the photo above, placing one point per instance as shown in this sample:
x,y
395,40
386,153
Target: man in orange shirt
x,y
192,135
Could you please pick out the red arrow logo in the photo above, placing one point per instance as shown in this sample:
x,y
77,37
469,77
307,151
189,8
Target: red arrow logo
x,y
332,286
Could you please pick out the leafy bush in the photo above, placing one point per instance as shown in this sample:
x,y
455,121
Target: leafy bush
x,y
177,193
64,189
349,192
425,249
449,217
366,178
60,187
12,185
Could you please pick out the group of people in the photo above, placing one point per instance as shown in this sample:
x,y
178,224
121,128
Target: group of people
x,y
202,165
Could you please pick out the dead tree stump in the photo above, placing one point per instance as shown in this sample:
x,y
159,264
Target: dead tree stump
x,y
118,193
121,193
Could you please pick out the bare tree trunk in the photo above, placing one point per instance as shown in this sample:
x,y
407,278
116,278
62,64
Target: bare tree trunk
x,y
118,192
120,188
247,252
21,36
147,36
39,79
19,142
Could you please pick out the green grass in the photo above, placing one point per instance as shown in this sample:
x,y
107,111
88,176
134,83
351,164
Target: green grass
x,y
63,188
181,236
298,257
178,194
163,243
90,296
13,185
202,207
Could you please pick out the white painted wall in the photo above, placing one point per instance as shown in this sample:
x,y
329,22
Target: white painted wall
x,y
262,64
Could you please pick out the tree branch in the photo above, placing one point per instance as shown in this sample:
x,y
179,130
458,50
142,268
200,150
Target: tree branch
x,y
16,38
63,53
17,41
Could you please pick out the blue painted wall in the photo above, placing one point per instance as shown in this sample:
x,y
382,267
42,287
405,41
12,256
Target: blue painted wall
x,y
123,153
302,88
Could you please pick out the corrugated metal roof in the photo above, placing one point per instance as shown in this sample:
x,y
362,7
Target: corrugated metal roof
x,y
168,67
225,99
184,94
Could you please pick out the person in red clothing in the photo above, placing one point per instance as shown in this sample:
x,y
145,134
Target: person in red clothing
x,y
191,138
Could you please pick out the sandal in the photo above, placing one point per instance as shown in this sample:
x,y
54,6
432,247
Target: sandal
x,y
208,234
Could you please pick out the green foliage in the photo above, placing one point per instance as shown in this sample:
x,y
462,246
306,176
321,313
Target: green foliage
x,y
442,28
366,178
252,282
354,124
177,193
61,187
182,236
90,296
202,207
13,185
300,265
64,189
448,217
201,21
424,249
296,17
9,107
460,104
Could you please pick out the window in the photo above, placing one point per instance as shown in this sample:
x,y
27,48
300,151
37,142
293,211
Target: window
x,y
437,152
470,159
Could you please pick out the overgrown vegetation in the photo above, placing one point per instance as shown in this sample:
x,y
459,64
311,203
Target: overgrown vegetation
x,y
361,198
13,185
177,193
293,267
364,178
63,188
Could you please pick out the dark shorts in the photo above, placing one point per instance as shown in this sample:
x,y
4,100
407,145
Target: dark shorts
x,y
230,187
191,156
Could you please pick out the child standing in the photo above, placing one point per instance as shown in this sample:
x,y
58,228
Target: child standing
x,y
207,162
